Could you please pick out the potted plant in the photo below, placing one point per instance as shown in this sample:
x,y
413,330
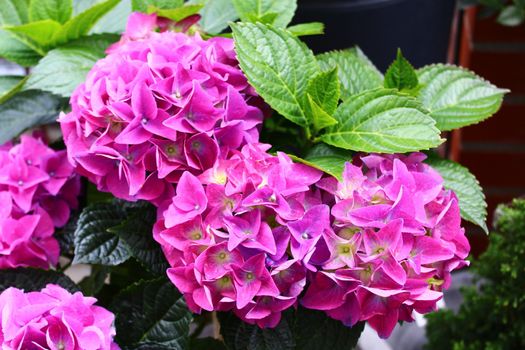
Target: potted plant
x,y
234,179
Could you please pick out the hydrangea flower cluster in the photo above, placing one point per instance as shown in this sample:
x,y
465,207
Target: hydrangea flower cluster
x,y
54,319
257,234
38,188
159,104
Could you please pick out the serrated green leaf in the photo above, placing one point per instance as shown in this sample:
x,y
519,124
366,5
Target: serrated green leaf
x,y
239,335
457,97
37,35
329,159
258,10
315,330
216,14
382,121
356,73
151,312
15,51
10,85
136,231
178,13
25,110
142,5
320,119
470,194
401,75
278,66
82,23
94,243
30,279
304,29
14,12
56,10
324,90
64,68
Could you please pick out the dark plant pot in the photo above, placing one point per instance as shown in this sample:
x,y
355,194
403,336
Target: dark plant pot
x,y
421,28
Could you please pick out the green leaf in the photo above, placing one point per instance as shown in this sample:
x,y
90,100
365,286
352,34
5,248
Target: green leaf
x,y
115,20
25,110
152,312
94,243
207,343
328,159
178,13
64,68
324,90
30,279
401,75
37,35
303,29
320,119
15,51
314,330
280,12
142,5
10,85
136,231
82,23
216,14
278,66
457,97
92,284
14,12
382,121
56,10
239,335
356,73
511,16
470,195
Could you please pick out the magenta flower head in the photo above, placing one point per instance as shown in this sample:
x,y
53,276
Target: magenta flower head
x,y
38,189
54,319
160,104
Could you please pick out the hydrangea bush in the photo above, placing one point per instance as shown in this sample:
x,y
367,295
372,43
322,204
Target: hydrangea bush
x,y
194,210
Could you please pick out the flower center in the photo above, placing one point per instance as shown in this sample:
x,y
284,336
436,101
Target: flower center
x,y
144,121
171,150
250,276
222,255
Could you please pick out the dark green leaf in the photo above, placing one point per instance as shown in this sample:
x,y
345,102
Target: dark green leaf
x,y
304,29
401,75
206,344
142,5
64,68
56,10
15,51
94,243
512,16
93,283
25,110
239,335
279,66
329,159
31,280
470,194
152,312
66,235
457,97
356,73
10,85
382,121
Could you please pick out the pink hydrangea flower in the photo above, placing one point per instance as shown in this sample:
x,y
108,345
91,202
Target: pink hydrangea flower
x,y
38,188
54,319
160,104
257,234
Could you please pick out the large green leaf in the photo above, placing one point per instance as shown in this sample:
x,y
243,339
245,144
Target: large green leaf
x,y
303,29
115,20
323,96
94,243
9,86
279,67
82,23
216,14
470,195
356,72
64,68
27,109
401,75
275,12
457,97
239,335
16,51
31,280
37,35
329,159
57,10
382,121
14,12
142,5
152,313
